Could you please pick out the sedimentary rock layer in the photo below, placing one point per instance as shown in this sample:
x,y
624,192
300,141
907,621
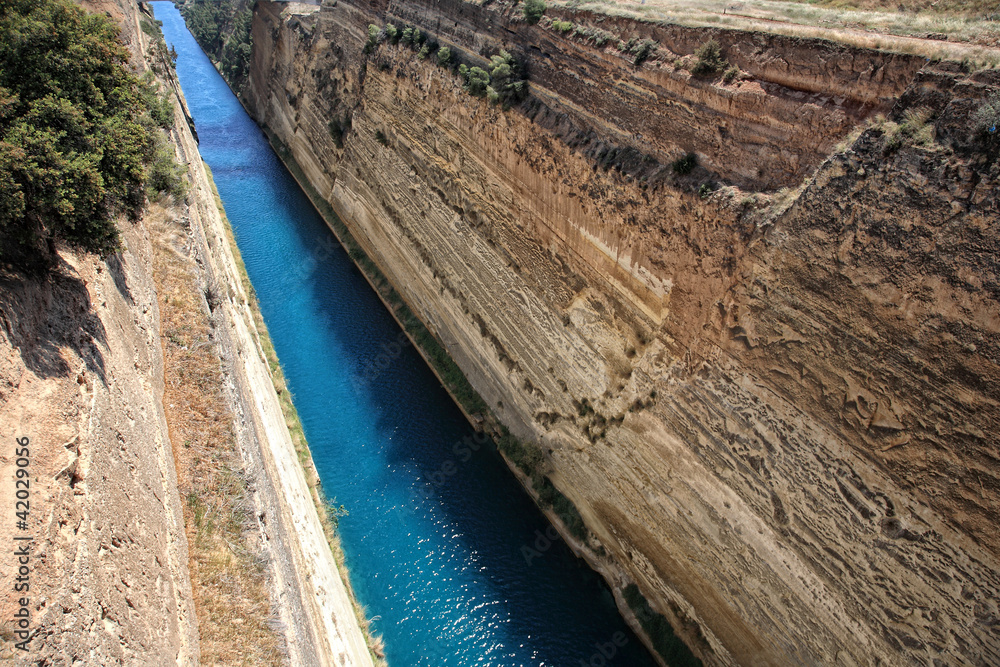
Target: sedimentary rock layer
x,y
776,413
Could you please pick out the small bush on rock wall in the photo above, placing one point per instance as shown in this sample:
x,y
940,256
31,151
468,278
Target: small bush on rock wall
x,y
986,120
533,10
710,60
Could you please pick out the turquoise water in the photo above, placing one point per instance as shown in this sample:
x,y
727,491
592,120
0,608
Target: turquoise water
x,y
444,548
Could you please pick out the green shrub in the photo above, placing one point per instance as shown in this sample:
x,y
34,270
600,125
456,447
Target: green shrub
x,y
916,124
986,120
550,497
164,176
338,128
335,511
642,51
527,457
161,109
562,26
502,81
235,60
372,38
730,74
507,79
476,82
77,132
222,29
533,10
407,35
381,138
710,58
915,129
706,190
570,516
685,165
391,33
206,21
150,28
602,37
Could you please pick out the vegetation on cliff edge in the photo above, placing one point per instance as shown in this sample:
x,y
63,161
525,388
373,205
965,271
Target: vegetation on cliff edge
x,y
533,10
986,121
503,81
79,137
222,29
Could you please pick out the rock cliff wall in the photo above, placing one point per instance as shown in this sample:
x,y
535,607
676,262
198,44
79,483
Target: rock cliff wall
x,y
81,375
775,412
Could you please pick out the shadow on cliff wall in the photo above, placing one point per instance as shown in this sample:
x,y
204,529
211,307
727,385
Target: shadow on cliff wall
x,y
41,316
117,270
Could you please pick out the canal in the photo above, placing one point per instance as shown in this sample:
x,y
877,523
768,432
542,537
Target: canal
x,y
441,542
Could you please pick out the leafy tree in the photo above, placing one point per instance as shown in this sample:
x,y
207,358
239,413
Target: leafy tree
x,y
506,79
444,56
206,21
685,165
76,130
372,42
222,29
235,61
642,51
533,10
504,82
477,81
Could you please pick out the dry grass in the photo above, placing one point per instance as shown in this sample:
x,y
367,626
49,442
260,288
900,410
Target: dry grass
x,y
228,574
970,38
977,9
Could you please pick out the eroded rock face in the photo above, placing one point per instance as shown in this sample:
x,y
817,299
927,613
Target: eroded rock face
x,y
790,441
80,377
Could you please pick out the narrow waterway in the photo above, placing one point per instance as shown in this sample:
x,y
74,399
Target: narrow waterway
x,y
444,548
